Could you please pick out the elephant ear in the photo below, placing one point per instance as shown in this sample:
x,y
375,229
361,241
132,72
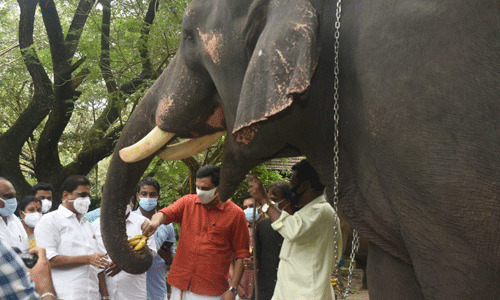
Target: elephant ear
x,y
281,66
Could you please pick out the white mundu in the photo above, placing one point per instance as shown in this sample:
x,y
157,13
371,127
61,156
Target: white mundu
x,y
126,286
61,233
188,295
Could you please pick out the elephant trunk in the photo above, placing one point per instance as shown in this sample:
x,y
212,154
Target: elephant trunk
x,y
117,192
120,186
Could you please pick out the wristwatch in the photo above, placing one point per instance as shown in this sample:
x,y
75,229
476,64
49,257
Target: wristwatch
x,y
265,207
233,290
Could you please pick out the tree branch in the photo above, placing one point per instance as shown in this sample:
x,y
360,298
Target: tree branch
x,y
12,140
48,164
193,166
87,158
76,27
112,111
9,49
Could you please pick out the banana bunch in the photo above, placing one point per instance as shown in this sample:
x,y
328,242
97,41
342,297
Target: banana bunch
x,y
138,242
333,280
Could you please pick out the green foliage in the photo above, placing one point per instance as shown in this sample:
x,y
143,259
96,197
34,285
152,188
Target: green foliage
x,y
126,63
266,175
171,175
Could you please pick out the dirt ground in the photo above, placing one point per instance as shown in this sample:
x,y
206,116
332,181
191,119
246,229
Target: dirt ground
x,y
356,291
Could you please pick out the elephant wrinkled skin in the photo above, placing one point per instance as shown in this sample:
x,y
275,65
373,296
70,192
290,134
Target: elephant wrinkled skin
x,y
419,119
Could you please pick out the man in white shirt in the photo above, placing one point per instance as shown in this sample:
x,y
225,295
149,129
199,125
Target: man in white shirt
x,y
70,243
11,229
307,257
118,284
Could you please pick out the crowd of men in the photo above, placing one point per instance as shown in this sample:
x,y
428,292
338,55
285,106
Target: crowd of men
x,y
283,237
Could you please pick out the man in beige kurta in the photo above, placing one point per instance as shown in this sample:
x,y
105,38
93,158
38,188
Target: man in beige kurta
x,y
308,256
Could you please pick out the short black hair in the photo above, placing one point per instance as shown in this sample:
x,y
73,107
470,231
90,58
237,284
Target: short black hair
x,y
209,171
149,181
71,183
25,202
305,171
246,196
42,186
283,187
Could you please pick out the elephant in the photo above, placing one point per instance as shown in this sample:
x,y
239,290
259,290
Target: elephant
x,y
418,126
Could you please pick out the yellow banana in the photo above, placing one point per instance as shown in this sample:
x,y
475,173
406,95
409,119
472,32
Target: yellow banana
x,y
141,244
134,242
137,237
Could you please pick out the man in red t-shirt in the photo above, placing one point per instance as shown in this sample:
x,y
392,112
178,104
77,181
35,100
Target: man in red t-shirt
x,y
213,233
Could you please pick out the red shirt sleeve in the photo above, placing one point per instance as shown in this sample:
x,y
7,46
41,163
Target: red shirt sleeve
x,y
174,211
241,237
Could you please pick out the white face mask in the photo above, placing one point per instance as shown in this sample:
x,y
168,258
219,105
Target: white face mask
x,y
81,204
46,205
206,196
32,218
148,204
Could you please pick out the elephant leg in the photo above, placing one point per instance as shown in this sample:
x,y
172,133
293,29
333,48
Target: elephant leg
x,y
389,277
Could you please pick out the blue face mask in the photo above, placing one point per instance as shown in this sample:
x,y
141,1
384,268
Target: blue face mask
x,y
249,214
148,204
9,208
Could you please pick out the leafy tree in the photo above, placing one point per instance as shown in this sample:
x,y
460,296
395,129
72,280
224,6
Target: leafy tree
x,y
65,96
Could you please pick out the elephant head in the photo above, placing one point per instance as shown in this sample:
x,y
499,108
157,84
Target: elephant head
x,y
240,67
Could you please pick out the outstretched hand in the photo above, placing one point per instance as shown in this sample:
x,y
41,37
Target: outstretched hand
x,y
256,189
98,260
149,227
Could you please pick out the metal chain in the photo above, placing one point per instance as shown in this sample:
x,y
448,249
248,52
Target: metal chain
x,y
354,249
336,71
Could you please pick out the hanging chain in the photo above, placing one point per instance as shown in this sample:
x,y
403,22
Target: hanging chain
x,y
336,70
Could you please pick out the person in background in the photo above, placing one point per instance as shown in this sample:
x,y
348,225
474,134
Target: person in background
x,y
114,283
213,233
307,257
94,214
148,193
29,211
71,244
15,283
247,282
44,192
11,229
268,242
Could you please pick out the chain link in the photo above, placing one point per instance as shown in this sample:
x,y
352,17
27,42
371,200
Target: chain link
x,y
336,71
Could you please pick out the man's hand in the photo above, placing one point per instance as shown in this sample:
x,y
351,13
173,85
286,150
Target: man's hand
x,y
228,295
256,189
112,270
166,255
149,227
248,263
40,273
98,260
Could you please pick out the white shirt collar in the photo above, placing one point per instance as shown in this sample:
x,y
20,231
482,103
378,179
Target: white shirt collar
x,y
68,213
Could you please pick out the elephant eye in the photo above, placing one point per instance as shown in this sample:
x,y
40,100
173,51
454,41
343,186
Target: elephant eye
x,y
188,36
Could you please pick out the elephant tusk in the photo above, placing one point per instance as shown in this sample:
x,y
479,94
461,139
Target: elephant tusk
x,y
147,146
190,147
